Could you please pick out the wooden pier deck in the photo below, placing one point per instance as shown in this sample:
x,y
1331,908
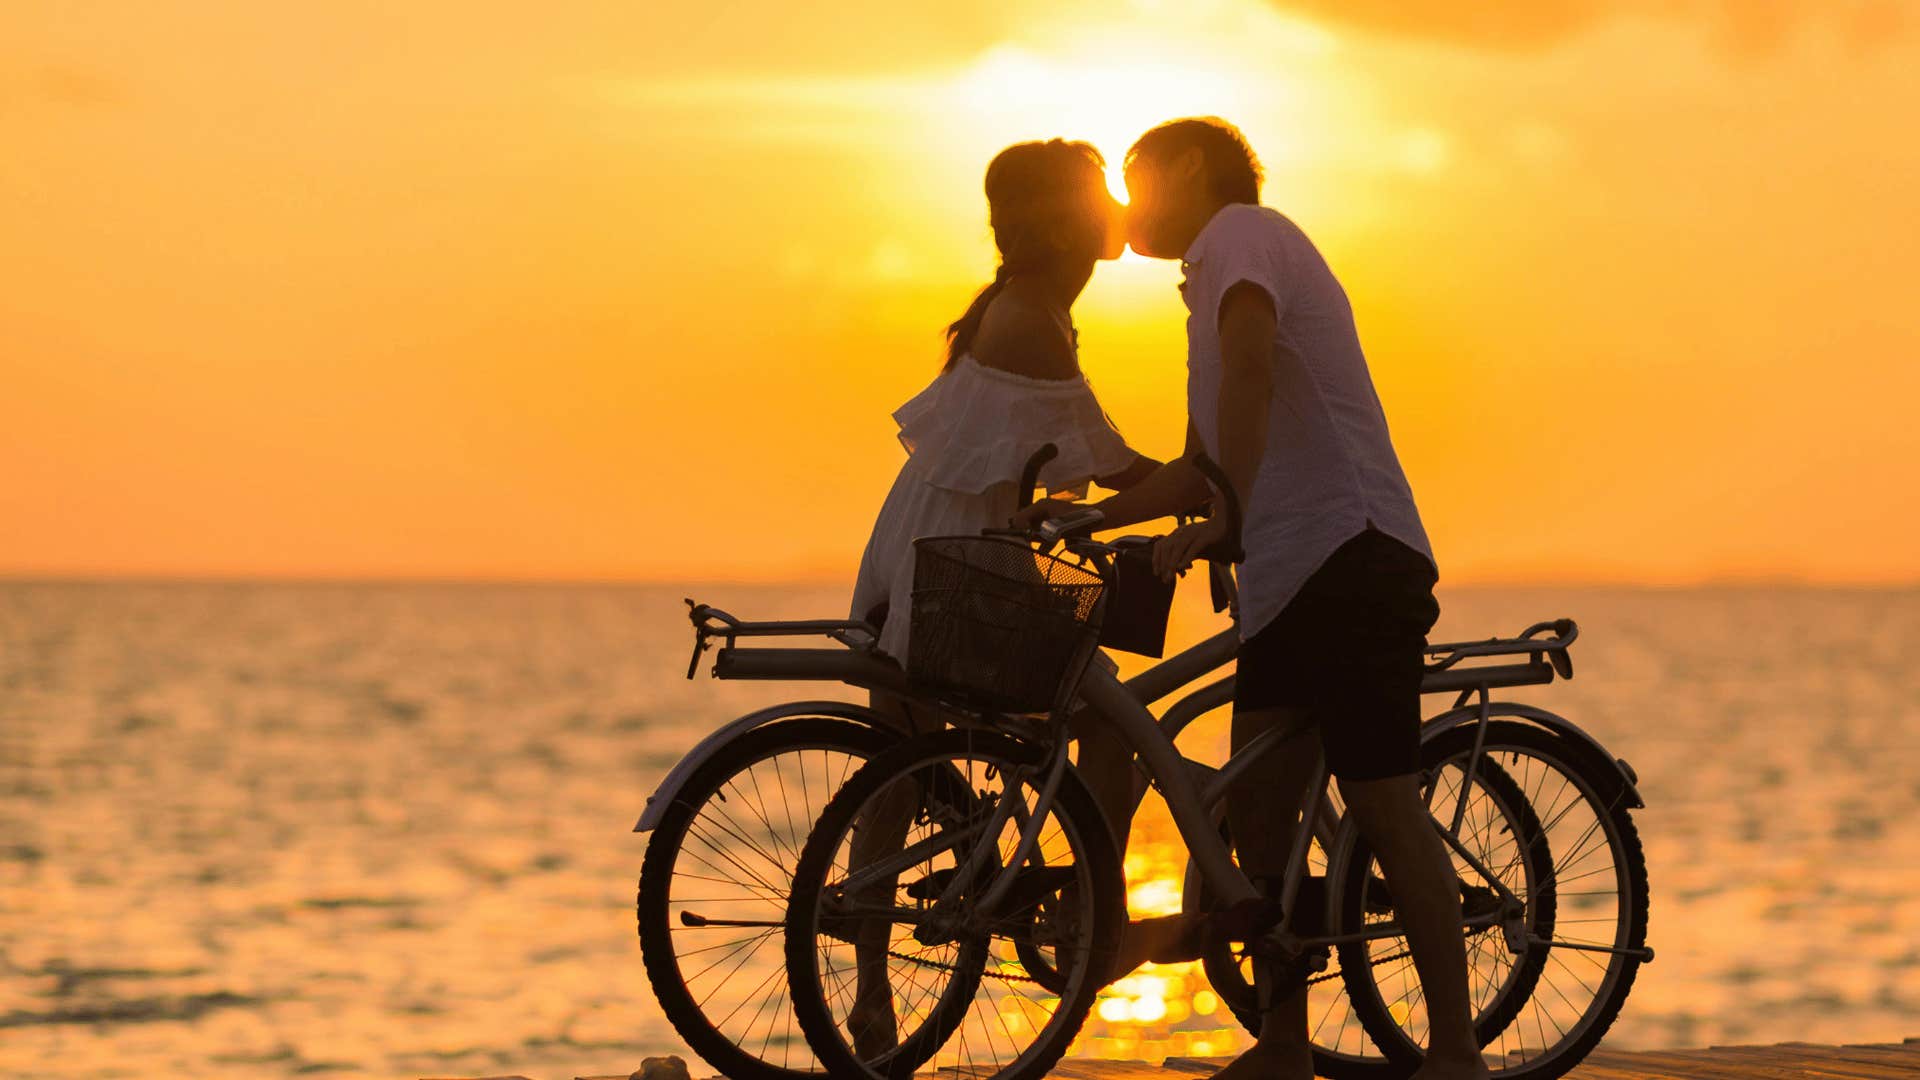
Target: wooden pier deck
x,y
1786,1061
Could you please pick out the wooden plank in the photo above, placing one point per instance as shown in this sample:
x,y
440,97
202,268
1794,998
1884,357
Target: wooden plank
x,y
1787,1061
1886,1061
1682,1065
1896,1056
1586,1070
1206,1066
1763,1061
1180,1066
1110,1070
1805,1061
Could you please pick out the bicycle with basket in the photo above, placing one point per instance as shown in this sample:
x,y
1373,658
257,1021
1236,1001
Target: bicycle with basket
x,y
1001,907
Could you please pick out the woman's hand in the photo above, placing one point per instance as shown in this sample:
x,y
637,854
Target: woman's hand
x,y
1042,509
1174,552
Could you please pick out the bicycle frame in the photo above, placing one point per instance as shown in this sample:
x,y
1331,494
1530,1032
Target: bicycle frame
x,y
1125,706
1192,805
1189,804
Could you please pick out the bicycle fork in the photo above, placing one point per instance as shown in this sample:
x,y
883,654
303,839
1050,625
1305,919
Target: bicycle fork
x,y
1010,805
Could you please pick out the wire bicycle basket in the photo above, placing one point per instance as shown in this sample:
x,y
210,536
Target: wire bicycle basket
x,y
999,626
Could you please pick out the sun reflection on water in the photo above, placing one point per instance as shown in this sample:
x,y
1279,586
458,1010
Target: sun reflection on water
x,y
1159,1010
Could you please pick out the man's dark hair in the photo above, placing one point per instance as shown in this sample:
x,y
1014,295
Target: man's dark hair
x,y
1231,167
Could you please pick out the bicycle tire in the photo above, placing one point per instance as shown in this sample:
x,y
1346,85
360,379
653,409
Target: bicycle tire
x,y
1590,775
1223,973
1400,1054
1091,841
653,900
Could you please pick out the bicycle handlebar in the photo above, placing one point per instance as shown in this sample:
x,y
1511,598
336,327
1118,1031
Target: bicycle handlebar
x,y
1030,473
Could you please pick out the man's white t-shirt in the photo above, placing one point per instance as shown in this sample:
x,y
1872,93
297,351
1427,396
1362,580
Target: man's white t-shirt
x,y
1329,470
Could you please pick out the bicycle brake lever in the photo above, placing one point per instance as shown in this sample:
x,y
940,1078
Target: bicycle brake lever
x,y
697,614
1217,586
699,646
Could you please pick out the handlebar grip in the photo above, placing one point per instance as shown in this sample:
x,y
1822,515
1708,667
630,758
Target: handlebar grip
x,y
1030,473
1229,549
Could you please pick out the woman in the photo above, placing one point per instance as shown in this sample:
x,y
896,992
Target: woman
x,y
1011,384
1012,379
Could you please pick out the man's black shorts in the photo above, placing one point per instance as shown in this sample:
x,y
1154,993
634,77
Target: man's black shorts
x,y
1348,650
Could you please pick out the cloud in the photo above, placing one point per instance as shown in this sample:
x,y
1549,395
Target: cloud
x,y
1745,26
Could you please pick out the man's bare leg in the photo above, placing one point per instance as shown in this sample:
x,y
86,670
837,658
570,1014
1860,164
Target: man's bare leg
x,y
1426,895
1263,817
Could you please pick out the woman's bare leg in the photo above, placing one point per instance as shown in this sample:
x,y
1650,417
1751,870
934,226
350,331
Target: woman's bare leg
x,y
880,831
1105,762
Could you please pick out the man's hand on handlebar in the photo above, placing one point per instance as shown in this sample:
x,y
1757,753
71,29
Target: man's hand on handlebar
x,y
1177,550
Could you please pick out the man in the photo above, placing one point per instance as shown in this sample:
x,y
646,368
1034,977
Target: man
x,y
1336,591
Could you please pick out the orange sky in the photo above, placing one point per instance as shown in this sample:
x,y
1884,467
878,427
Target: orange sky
x,y
628,290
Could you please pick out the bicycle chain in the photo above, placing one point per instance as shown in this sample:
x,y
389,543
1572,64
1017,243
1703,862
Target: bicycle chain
x,y
924,962
1316,980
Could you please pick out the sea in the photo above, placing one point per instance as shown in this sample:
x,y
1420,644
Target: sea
x,y
385,829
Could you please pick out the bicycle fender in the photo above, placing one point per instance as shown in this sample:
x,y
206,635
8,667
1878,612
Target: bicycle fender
x,y
1628,788
704,751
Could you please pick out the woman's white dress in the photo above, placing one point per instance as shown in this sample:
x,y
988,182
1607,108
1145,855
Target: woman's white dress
x,y
967,436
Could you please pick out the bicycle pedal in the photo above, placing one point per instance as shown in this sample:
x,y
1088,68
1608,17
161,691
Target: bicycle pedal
x,y
1036,884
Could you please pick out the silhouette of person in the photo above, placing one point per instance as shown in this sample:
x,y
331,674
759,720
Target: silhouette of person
x,y
1336,591
1011,384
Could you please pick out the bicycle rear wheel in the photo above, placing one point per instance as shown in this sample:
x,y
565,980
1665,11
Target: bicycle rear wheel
x,y
1343,1047
981,993
712,898
1586,914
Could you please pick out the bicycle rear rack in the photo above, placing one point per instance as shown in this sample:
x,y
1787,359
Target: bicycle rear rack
x,y
710,622
1546,659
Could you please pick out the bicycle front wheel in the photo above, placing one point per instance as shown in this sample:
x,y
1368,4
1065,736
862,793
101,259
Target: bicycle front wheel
x,y
894,964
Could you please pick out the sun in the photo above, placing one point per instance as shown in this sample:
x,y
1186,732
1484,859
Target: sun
x,y
1108,101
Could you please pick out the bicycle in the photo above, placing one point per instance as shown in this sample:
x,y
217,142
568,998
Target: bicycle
x,y
1009,879
727,823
